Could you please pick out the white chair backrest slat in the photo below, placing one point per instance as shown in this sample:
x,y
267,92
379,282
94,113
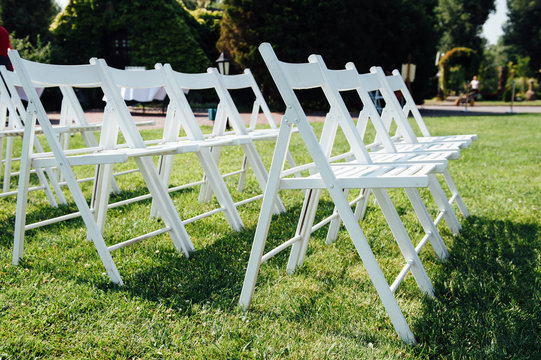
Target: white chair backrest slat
x,y
302,76
370,81
395,81
235,82
48,75
343,80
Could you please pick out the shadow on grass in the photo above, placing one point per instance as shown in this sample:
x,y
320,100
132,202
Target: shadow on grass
x,y
213,274
488,295
45,211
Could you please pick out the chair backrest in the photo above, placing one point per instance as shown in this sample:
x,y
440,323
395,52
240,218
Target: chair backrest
x,y
30,74
180,113
290,77
393,110
349,80
396,83
71,110
8,92
138,79
202,81
247,81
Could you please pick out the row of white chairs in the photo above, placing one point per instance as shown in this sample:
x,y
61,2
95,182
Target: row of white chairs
x,y
394,158
393,161
117,119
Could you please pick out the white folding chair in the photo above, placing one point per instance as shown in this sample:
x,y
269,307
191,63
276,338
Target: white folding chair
x,y
336,178
210,80
396,83
348,80
170,135
117,117
11,107
237,82
393,115
405,135
72,120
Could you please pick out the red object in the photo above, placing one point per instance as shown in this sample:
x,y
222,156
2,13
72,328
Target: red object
x,y
5,44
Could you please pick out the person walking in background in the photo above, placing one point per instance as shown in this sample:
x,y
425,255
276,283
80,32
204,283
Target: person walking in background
x,y
5,44
474,85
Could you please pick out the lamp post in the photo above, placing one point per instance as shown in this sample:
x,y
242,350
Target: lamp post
x,y
223,64
223,67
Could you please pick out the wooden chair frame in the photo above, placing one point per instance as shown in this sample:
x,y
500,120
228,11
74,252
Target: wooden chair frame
x,y
170,135
396,83
236,82
405,139
182,110
118,118
336,178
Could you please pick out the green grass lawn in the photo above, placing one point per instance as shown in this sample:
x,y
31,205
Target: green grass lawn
x,y
59,303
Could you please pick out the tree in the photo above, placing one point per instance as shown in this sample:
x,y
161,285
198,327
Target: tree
x,y
369,33
129,32
207,25
30,18
461,22
522,32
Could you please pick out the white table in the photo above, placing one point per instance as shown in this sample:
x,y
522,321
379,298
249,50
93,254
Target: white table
x,y
144,94
22,94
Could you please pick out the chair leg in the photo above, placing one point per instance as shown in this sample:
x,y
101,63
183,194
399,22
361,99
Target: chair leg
x,y
443,204
428,225
165,167
373,269
165,205
334,226
1,153
52,176
404,243
94,232
220,190
205,193
261,173
360,208
46,188
242,177
7,166
360,211
454,191
304,230
22,199
258,246
103,186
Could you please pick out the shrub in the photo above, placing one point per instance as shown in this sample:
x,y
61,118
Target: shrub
x,y
156,31
41,52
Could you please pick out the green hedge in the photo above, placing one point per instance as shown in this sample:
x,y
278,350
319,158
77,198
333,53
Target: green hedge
x,y
158,31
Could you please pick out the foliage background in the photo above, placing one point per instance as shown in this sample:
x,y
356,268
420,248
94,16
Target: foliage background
x,y
158,30
522,33
369,33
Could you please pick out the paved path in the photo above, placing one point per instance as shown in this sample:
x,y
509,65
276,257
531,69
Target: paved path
x,y
426,110
159,118
453,110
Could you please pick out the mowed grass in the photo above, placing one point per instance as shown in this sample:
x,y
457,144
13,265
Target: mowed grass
x,y
59,303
